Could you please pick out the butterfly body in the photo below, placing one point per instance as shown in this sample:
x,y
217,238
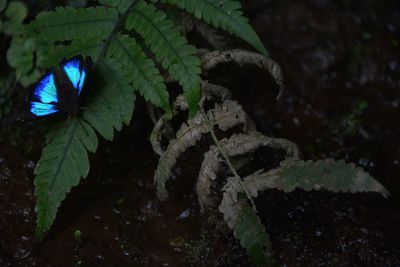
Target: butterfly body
x,y
68,97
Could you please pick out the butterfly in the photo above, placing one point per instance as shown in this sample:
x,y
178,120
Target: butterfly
x,y
57,92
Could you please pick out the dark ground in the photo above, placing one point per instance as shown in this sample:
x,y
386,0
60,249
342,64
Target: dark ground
x,y
341,64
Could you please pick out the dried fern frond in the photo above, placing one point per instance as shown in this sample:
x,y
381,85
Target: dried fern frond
x,y
226,115
236,145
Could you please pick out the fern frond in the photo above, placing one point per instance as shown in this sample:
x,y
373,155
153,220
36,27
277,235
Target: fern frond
x,y
63,163
65,24
113,102
169,47
226,116
335,176
246,225
226,15
144,75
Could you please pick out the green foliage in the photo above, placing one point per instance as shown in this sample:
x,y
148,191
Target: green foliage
x,y
15,13
108,34
65,24
253,237
20,56
148,80
21,52
64,161
113,103
225,14
169,47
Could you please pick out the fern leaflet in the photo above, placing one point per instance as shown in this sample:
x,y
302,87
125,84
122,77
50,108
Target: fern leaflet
x,y
65,24
64,162
145,77
169,47
253,237
113,102
335,176
226,15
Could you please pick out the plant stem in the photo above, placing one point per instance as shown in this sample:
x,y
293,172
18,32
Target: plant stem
x,y
225,156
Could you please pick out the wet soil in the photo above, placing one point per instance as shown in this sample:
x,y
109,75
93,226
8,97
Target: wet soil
x,y
336,56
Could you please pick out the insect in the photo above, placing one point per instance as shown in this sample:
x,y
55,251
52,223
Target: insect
x,y
57,92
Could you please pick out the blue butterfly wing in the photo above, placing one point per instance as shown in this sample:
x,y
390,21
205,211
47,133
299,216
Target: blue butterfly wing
x,y
42,109
76,73
45,93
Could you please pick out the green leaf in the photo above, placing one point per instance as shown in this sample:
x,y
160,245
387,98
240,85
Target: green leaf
x,y
226,15
113,102
20,55
63,163
253,237
15,13
144,75
65,24
169,47
246,225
